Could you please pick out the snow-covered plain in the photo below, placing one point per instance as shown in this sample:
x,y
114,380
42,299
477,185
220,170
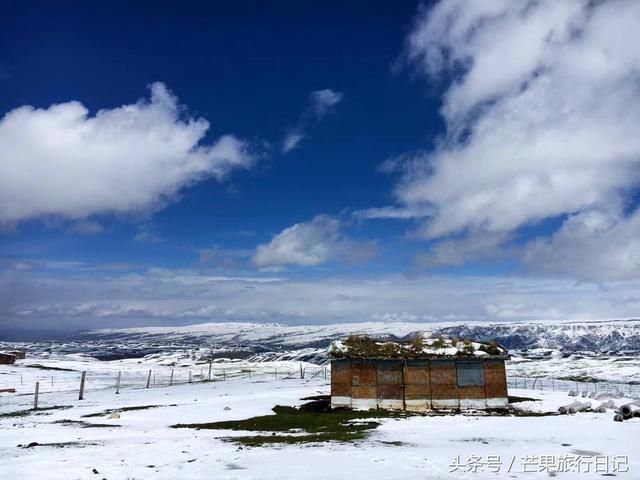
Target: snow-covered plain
x,y
141,444
255,367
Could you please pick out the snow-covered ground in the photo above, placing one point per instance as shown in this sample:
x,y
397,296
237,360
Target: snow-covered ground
x,y
608,368
61,372
267,372
140,443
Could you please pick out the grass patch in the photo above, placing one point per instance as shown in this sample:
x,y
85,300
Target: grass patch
x,y
307,424
39,411
514,399
58,444
44,367
109,411
80,423
580,378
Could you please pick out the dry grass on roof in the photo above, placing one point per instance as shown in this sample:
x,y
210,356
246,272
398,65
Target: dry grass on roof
x,y
363,346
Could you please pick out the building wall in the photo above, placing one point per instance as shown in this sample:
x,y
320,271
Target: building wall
x,y
6,358
415,384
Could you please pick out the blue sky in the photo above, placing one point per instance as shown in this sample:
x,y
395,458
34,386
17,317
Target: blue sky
x,y
247,69
438,149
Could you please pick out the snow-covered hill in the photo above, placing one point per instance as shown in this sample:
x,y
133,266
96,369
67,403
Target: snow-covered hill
x,y
615,336
585,351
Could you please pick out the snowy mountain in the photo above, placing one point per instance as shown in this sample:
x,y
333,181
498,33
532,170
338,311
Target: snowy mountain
x,y
615,336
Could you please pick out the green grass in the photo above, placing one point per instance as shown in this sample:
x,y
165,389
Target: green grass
x,y
45,367
80,423
292,425
516,399
59,444
31,411
109,411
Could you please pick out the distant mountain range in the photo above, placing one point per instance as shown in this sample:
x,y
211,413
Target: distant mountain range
x,y
597,337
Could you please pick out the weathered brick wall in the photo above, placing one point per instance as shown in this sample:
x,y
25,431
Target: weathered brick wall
x,y
390,391
341,383
496,383
364,384
414,385
417,389
444,384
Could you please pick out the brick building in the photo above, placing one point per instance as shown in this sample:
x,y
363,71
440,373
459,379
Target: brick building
x,y
419,375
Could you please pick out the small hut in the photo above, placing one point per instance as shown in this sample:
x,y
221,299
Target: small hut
x,y
7,358
419,375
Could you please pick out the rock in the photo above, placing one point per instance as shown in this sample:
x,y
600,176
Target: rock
x,y
227,408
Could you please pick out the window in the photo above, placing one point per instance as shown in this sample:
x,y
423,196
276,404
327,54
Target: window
x,y
470,374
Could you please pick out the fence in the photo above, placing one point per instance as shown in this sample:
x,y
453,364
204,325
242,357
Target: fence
x,y
84,382
556,385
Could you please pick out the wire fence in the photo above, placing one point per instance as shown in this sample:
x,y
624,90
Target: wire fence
x,y
83,382
163,376
558,385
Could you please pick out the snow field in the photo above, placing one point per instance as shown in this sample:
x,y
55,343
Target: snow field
x,y
144,445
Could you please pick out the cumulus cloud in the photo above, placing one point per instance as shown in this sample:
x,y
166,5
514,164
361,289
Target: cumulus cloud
x,y
594,245
321,103
312,243
63,161
457,251
542,111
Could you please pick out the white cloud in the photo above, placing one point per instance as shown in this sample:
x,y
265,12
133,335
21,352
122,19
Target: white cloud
x,y
392,211
594,245
542,114
48,299
458,251
147,233
312,243
62,161
291,141
321,103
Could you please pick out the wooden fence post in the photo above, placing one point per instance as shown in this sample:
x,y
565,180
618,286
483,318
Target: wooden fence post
x,y
189,376
82,378
301,372
149,379
35,396
171,378
209,377
276,373
118,384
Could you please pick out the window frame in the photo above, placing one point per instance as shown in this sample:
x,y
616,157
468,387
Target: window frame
x,y
475,371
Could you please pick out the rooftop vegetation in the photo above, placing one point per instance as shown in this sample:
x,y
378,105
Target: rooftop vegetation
x,y
362,346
